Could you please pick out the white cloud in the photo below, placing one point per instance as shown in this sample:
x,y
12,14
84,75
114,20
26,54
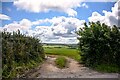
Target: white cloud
x,y
96,17
84,5
25,24
110,18
4,17
61,30
66,6
40,21
22,25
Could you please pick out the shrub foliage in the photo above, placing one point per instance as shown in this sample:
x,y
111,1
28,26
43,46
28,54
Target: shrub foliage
x,y
19,53
99,44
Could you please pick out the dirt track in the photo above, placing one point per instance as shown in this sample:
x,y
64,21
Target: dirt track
x,y
74,70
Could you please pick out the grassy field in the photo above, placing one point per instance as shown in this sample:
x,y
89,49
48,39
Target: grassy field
x,y
63,51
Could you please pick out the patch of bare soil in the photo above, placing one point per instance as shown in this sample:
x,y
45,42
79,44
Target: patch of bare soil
x,y
74,70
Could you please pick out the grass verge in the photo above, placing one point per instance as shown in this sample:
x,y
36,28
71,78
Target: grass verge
x,y
107,68
61,62
19,69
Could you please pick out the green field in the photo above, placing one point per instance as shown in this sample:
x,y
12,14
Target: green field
x,y
63,51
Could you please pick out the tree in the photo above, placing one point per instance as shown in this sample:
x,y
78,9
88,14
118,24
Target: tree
x,y
99,44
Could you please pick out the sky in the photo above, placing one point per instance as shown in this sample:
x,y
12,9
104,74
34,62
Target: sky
x,y
56,21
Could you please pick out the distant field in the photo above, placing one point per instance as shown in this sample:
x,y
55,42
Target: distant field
x,y
63,51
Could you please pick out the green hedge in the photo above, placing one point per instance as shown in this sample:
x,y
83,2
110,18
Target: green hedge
x,y
19,53
99,44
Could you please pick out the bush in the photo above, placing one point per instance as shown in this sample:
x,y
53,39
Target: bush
x,y
99,44
18,53
61,62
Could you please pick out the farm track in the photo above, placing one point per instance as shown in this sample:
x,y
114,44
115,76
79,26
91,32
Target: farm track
x,y
74,70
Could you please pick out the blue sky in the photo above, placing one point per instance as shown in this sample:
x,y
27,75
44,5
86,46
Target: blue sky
x,y
55,22
83,13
